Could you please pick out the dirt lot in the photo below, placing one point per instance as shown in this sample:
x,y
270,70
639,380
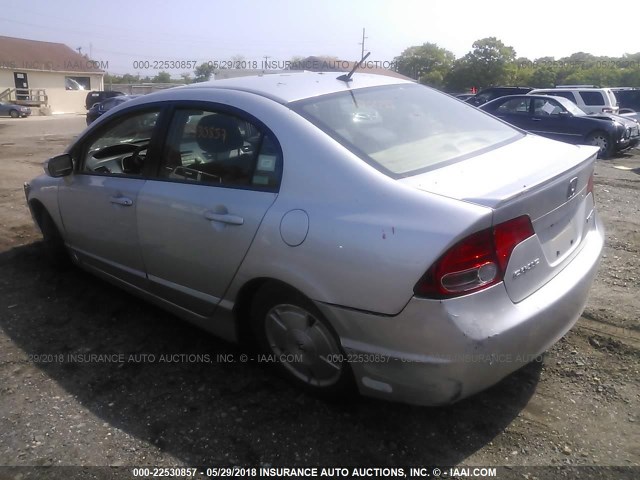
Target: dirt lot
x,y
578,406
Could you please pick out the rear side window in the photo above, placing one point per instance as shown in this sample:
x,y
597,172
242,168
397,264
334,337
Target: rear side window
x,y
219,149
592,98
404,129
515,105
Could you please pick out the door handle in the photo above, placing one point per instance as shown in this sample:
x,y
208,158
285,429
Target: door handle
x,y
224,218
124,201
536,119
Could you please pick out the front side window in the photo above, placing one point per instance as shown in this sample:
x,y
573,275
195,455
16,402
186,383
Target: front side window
x,y
121,148
544,107
404,129
219,149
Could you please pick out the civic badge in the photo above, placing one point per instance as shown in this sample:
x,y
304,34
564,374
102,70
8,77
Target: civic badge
x,y
573,186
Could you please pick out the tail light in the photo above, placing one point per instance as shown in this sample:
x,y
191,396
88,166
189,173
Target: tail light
x,y
476,262
590,186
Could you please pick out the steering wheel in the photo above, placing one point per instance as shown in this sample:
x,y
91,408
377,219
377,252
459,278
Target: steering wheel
x,y
135,162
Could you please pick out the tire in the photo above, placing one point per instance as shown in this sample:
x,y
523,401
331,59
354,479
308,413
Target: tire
x,y
287,325
14,114
54,247
602,140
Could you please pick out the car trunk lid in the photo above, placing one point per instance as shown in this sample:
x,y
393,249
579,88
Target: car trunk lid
x,y
543,179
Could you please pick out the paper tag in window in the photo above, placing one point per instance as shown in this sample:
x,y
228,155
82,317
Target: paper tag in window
x,y
548,108
267,163
260,180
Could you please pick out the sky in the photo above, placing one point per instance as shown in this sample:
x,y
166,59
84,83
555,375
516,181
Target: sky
x,y
125,33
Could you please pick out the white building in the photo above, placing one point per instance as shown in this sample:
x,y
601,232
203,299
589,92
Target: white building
x,y
48,77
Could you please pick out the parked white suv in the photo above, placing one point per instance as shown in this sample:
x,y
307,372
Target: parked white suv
x,y
589,99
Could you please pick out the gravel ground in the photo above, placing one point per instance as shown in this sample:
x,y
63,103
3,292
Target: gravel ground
x,y
163,393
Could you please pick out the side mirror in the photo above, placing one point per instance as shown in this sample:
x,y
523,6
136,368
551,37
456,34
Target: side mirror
x,y
59,166
564,114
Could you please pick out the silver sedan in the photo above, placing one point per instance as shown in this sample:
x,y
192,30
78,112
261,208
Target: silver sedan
x,y
368,233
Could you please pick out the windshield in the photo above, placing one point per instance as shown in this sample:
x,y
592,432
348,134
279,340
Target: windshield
x,y
404,129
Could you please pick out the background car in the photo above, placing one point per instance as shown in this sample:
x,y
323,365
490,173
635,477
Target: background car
x,y
97,96
628,101
589,99
463,96
13,110
99,109
560,119
366,232
491,93
628,98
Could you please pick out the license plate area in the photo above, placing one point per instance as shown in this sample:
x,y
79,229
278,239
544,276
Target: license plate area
x,y
561,231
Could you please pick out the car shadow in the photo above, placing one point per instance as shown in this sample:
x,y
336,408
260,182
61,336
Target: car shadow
x,y
203,408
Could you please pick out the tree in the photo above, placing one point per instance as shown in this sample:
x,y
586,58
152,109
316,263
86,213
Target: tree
x,y
543,77
427,63
491,62
459,78
127,78
295,63
203,72
238,62
162,77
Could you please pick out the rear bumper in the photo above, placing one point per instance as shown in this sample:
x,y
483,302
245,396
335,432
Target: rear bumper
x,y
437,352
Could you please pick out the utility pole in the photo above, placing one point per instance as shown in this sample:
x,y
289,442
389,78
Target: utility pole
x,y
79,50
265,63
362,43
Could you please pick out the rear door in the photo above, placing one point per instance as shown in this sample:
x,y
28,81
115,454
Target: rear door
x,y
219,173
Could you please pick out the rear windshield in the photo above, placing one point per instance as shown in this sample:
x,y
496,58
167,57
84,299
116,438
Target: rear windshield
x,y
403,130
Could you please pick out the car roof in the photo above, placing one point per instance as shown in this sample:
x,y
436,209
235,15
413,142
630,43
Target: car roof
x,y
572,89
289,87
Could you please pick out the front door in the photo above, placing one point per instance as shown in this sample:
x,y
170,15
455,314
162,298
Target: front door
x,y
22,85
550,119
98,203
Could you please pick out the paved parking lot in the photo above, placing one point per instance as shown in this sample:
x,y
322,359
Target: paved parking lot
x,y
183,397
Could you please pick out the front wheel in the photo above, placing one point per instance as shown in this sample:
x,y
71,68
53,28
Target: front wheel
x,y
299,341
14,114
602,141
53,242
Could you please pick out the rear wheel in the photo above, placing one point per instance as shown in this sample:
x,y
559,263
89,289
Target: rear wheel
x,y
14,114
602,141
299,341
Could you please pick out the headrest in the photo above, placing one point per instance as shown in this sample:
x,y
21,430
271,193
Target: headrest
x,y
218,133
